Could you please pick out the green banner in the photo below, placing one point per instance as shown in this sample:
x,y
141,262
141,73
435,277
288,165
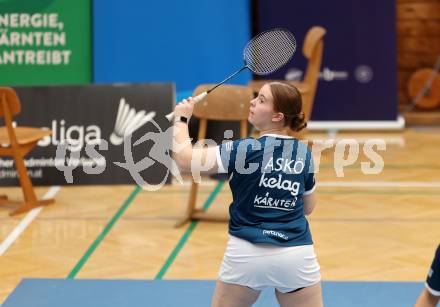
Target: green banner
x,y
44,42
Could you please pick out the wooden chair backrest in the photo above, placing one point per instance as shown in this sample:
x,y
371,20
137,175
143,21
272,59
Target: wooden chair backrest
x,y
313,50
227,102
9,96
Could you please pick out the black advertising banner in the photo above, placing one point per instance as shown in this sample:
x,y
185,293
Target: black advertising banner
x,y
101,134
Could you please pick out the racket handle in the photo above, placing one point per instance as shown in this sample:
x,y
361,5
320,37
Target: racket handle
x,y
196,99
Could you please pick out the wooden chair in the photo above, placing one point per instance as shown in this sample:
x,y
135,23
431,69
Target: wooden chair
x,y
16,142
228,102
313,48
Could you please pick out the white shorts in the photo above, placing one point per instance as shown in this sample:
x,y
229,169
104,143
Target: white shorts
x,y
259,266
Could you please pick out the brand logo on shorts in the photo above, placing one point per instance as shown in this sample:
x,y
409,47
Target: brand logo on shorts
x,y
273,233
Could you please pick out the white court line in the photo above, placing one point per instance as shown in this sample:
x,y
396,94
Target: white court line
x,y
30,216
398,140
380,184
208,183
353,184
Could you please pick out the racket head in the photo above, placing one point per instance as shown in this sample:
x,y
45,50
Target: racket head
x,y
269,51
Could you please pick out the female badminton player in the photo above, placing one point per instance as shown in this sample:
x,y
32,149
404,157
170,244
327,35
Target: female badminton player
x,y
272,184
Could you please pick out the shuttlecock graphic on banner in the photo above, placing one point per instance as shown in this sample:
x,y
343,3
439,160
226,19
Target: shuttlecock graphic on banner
x,y
128,121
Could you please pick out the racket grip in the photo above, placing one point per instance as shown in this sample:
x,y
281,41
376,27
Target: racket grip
x,y
196,99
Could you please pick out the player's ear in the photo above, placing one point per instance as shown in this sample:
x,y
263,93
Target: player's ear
x,y
278,117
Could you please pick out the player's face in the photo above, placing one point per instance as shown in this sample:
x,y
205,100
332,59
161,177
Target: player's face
x,y
261,110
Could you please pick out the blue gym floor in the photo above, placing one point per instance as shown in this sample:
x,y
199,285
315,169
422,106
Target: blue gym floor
x,y
164,293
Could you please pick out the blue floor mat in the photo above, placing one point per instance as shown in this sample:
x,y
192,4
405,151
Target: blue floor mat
x,y
194,293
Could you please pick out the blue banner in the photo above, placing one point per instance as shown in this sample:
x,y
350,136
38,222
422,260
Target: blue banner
x,y
185,42
358,79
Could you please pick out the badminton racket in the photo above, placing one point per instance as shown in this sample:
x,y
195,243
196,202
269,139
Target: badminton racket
x,y
264,54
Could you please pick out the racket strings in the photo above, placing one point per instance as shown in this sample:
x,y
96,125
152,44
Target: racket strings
x,y
270,50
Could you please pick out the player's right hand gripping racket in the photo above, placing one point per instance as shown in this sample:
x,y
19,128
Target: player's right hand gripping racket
x,y
264,54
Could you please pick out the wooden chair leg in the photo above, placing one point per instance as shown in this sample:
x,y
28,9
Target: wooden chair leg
x,y
4,200
190,210
30,199
191,205
21,207
297,134
7,203
25,182
243,129
24,207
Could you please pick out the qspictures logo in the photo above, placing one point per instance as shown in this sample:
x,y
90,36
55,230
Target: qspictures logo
x,y
346,153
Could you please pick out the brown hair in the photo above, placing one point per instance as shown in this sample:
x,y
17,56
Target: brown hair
x,y
287,100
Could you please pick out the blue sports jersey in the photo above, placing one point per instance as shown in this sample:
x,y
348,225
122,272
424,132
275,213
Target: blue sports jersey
x,y
433,280
268,178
